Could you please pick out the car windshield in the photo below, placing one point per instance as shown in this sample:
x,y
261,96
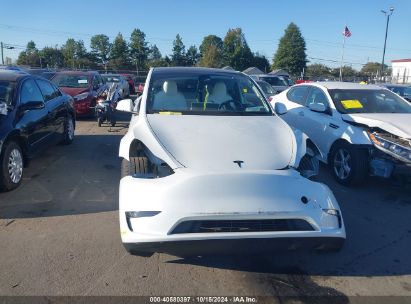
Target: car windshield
x,y
402,91
71,81
275,81
266,87
6,91
205,94
368,101
111,78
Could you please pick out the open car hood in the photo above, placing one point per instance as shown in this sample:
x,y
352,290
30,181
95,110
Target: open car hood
x,y
215,143
396,124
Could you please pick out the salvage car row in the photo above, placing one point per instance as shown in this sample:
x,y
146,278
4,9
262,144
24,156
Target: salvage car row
x,y
215,166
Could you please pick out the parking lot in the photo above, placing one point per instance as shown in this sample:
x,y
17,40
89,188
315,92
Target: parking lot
x,y
60,236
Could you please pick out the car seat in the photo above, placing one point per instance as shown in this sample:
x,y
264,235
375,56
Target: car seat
x,y
169,98
219,94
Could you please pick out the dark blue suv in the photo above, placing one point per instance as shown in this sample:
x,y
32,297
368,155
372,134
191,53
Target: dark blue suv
x,y
33,115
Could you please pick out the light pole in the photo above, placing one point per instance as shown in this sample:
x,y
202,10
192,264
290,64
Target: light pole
x,y
387,14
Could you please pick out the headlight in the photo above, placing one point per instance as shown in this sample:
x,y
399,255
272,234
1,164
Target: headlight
x,y
396,147
80,96
330,219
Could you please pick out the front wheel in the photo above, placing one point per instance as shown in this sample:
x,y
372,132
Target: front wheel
x,y
11,162
136,166
349,164
68,135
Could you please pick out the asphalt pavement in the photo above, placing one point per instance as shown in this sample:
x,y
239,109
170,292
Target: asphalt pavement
x,y
59,235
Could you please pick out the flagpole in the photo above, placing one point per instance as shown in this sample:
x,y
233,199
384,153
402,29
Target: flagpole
x,y
342,59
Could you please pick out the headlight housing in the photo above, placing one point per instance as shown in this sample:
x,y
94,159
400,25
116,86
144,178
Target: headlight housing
x,y
81,96
394,146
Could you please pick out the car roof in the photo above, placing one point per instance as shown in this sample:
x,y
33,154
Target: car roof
x,y
88,73
112,75
12,75
394,85
192,70
268,75
333,85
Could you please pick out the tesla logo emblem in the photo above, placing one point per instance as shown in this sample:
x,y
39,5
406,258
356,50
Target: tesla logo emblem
x,y
238,162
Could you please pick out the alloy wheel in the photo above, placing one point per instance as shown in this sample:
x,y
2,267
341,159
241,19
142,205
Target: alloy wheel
x,y
342,164
15,166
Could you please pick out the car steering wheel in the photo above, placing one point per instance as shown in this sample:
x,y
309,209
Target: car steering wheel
x,y
226,105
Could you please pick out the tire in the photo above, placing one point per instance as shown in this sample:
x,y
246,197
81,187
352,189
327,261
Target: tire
x,y
136,165
349,164
11,166
68,136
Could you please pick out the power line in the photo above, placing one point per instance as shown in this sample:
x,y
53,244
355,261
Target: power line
x,y
59,33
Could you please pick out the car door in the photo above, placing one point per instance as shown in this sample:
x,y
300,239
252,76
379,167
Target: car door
x,y
32,116
319,126
55,107
295,103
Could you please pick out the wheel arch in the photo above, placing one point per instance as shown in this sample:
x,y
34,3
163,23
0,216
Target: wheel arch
x,y
16,136
343,141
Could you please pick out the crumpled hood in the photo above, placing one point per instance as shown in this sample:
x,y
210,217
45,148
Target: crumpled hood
x,y
74,91
397,124
215,142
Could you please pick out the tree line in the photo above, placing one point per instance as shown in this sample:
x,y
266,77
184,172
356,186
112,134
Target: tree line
x,y
137,54
368,71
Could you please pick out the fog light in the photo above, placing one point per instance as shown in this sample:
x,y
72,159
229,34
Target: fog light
x,y
330,219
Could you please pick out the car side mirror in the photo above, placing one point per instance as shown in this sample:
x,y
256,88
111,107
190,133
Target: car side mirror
x,y
32,105
125,105
317,107
280,108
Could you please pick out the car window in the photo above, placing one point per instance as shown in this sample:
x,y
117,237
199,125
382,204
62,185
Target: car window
x,y
96,82
71,81
275,81
100,80
7,91
298,94
57,92
368,101
46,89
317,96
267,88
30,92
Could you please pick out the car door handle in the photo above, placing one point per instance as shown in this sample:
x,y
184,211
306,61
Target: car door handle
x,y
301,113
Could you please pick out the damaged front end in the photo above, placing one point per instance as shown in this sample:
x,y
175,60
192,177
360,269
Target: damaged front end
x,y
391,154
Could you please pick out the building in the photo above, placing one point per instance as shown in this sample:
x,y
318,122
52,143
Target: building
x,y
401,71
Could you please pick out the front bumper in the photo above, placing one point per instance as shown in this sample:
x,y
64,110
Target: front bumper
x,y
84,107
165,203
236,246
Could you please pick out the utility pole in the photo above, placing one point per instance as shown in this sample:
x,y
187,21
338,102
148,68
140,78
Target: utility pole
x,y
387,14
2,58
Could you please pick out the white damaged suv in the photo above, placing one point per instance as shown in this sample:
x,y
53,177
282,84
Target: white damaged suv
x,y
209,168
359,129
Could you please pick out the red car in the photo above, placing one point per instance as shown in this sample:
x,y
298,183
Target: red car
x,y
129,78
84,87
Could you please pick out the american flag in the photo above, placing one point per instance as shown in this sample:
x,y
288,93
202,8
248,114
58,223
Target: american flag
x,y
346,32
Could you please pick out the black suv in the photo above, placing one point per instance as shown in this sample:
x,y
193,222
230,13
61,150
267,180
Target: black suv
x,y
33,115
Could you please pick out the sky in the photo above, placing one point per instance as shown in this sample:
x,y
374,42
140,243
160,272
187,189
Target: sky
x,y
52,22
